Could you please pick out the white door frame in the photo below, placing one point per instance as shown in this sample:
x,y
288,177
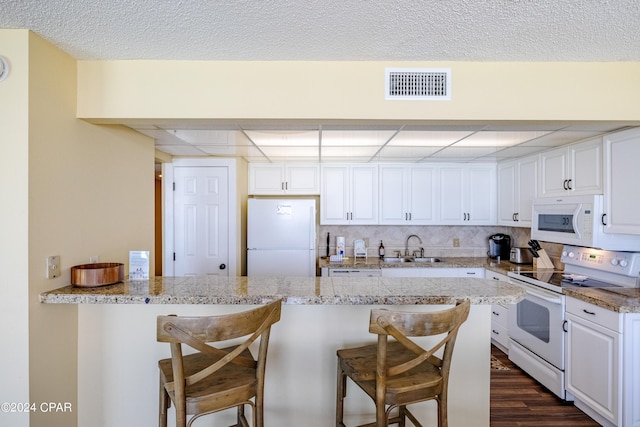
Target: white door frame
x,y
168,241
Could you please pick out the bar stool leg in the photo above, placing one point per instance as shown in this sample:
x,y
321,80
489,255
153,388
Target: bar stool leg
x,y
341,392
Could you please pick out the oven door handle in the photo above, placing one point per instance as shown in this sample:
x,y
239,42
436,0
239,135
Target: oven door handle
x,y
552,300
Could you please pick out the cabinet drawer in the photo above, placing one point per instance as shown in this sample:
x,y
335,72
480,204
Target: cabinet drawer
x,y
500,335
498,316
603,317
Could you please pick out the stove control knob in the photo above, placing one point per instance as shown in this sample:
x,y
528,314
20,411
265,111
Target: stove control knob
x,y
564,254
614,261
623,263
572,255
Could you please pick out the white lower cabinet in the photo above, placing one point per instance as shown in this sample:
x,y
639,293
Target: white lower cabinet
x,y
499,314
433,272
602,353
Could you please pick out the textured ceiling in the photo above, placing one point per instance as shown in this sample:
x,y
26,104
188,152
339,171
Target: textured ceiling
x,y
337,30
425,30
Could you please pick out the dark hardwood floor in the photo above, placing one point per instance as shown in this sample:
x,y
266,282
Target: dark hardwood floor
x,y
517,400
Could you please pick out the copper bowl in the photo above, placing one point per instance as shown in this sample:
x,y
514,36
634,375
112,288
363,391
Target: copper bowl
x,y
97,274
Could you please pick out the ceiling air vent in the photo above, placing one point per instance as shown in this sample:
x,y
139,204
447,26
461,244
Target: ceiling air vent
x,y
418,84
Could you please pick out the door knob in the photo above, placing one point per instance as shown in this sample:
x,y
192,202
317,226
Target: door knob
x,y
223,266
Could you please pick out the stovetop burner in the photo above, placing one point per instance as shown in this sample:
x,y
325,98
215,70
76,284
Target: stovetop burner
x,y
555,280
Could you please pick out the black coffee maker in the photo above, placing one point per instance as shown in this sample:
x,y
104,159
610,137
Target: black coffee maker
x,y
499,246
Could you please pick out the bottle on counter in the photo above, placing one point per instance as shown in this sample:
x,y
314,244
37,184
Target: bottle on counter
x,y
381,250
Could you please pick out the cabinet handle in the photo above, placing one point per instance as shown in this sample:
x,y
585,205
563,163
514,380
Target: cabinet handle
x,y
286,185
591,313
409,216
564,326
495,332
517,214
513,217
604,215
569,181
564,184
282,185
495,313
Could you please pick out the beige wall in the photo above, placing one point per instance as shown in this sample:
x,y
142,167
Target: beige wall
x,y
354,91
74,189
14,261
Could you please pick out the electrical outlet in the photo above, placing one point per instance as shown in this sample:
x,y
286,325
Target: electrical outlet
x,y
53,266
366,242
94,259
456,242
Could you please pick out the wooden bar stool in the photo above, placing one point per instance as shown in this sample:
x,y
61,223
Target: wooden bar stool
x,y
214,379
399,372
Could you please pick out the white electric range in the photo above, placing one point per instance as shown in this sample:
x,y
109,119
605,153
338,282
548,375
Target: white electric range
x,y
536,324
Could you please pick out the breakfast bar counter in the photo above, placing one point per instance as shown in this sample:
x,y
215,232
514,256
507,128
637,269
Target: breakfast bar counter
x,y
292,290
117,333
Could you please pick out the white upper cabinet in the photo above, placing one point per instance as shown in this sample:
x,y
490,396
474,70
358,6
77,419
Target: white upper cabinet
x,y
621,194
407,194
467,194
573,170
517,187
349,194
284,179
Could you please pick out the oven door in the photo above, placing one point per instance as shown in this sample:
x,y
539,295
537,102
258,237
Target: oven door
x,y
536,323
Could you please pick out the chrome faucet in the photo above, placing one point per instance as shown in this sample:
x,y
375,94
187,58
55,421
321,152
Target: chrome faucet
x,y
406,246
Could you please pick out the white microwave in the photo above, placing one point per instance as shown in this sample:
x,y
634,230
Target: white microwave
x,y
577,220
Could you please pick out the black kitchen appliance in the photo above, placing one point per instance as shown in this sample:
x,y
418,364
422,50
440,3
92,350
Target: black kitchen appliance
x,y
499,246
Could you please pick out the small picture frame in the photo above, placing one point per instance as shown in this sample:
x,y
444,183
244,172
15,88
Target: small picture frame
x,y
138,265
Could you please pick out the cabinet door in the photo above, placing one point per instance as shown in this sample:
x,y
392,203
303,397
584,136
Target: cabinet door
x,y
507,193
451,195
554,173
421,195
302,179
266,179
393,209
621,199
334,196
364,195
592,362
480,195
527,190
585,165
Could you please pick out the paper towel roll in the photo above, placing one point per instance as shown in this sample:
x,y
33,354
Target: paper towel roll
x,y
340,245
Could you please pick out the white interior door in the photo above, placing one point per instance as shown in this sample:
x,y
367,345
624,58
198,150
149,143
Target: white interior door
x,y
201,221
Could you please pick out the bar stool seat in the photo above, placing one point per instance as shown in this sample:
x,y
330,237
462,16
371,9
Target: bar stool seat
x,y
399,372
214,379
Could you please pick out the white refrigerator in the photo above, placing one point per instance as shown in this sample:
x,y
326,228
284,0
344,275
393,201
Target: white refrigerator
x,y
281,237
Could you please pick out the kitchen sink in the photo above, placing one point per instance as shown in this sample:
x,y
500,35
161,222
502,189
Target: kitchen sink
x,y
397,259
411,259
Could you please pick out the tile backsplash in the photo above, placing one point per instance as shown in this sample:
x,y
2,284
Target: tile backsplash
x,y
437,241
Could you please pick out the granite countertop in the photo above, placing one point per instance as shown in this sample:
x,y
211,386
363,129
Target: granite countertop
x,y
621,300
293,290
618,299
502,267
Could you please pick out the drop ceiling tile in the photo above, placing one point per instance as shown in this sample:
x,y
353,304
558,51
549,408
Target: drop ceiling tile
x,y
303,138
498,139
181,150
428,138
356,137
409,152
